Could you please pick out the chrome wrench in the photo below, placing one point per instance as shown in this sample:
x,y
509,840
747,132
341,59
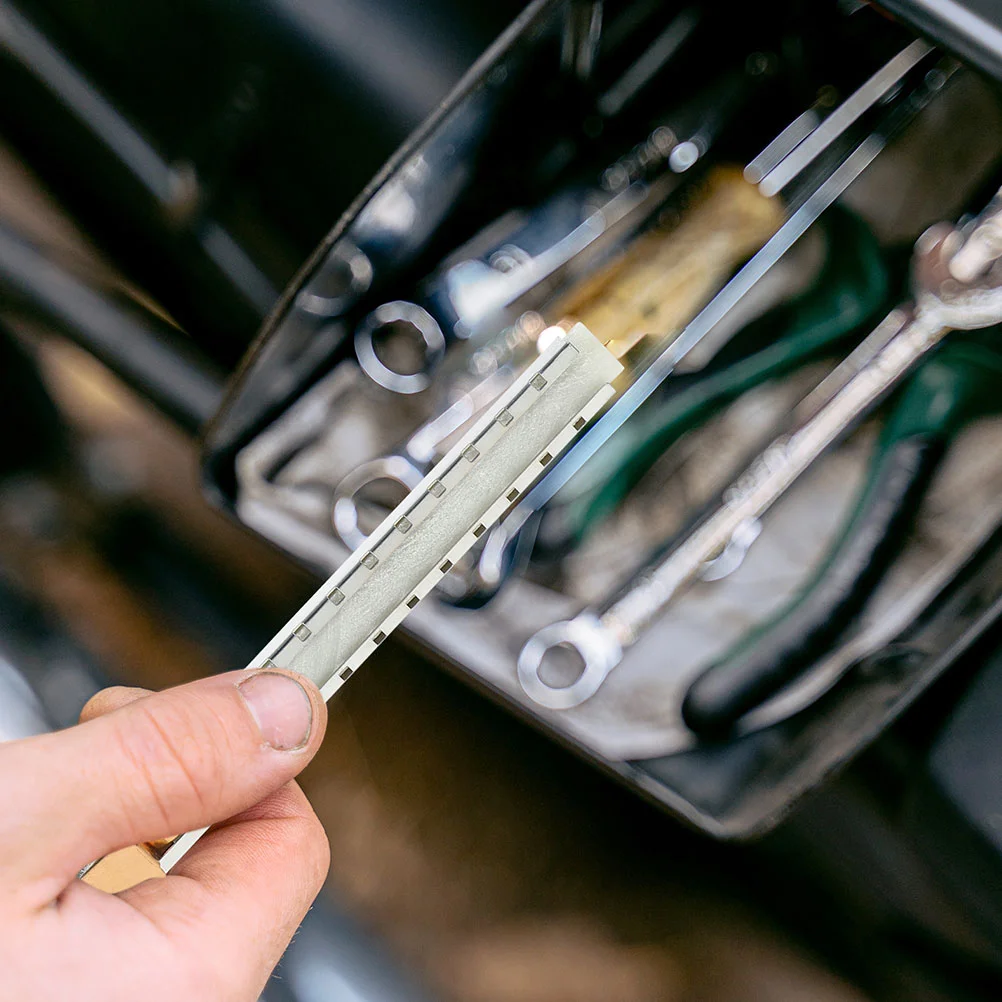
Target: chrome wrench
x,y
807,206
943,303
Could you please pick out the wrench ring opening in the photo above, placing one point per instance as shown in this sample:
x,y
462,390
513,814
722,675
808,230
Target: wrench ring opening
x,y
585,635
344,514
341,279
432,346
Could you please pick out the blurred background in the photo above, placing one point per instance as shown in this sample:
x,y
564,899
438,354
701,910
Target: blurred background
x,y
166,170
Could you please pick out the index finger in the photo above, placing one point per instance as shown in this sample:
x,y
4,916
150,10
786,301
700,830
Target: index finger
x,y
249,881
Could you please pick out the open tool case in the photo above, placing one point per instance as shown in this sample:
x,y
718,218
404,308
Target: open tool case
x,y
590,136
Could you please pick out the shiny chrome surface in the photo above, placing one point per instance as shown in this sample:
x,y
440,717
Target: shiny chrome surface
x,y
807,204
941,304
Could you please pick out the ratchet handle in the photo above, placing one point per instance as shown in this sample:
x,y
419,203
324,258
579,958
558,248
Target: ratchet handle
x,y
789,644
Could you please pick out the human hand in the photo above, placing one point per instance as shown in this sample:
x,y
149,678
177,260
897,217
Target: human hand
x,y
146,766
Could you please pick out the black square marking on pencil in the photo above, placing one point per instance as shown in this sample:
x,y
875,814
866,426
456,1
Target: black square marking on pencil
x,y
544,459
336,597
512,495
347,673
379,637
538,381
437,489
505,418
579,424
370,560
479,530
470,453
446,567
302,632
412,601
404,524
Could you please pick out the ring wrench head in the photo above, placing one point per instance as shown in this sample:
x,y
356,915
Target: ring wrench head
x,y
590,640
406,320
345,510
344,276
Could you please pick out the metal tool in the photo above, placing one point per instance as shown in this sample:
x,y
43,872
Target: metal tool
x,y
958,384
791,137
354,611
941,304
406,468
490,370
474,298
400,328
657,284
520,259
343,278
850,291
845,159
881,84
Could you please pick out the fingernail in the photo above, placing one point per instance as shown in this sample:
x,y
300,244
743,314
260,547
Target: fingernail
x,y
280,707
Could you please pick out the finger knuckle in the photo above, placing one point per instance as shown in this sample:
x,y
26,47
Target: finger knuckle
x,y
173,763
301,838
316,850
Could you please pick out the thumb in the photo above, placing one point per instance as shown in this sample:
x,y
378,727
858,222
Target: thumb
x,y
161,765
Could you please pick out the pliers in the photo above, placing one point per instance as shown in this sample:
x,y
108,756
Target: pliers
x,y
955,386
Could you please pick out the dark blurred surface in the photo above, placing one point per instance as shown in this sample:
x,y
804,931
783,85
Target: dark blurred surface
x,y
207,146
